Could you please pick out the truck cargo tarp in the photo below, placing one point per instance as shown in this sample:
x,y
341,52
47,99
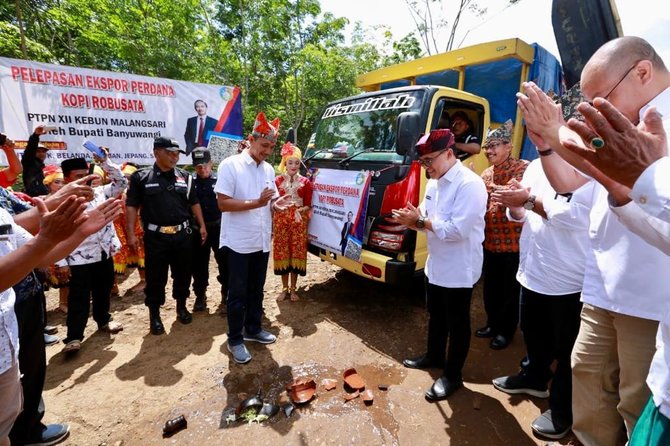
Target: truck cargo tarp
x,y
498,82
546,72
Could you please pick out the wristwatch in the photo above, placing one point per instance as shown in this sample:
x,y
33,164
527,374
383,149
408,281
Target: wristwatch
x,y
420,223
530,203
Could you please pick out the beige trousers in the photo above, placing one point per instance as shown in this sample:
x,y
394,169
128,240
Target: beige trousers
x,y
610,363
11,401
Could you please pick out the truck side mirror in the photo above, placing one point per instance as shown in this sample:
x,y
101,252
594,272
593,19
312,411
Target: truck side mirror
x,y
407,133
290,135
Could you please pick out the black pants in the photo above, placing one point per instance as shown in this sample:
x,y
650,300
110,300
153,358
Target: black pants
x,y
92,282
246,278
32,361
449,320
550,325
501,292
163,252
201,254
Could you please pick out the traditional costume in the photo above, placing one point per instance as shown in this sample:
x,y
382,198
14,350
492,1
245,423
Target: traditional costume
x,y
290,230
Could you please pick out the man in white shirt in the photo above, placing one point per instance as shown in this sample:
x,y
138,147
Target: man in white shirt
x,y
60,232
626,280
245,190
553,245
636,160
91,264
452,216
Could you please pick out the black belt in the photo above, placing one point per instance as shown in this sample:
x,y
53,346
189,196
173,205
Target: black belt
x,y
168,229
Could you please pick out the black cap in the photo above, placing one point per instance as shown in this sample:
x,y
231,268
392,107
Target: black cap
x,y
167,143
71,164
200,156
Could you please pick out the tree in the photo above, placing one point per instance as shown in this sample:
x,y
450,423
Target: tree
x,y
429,19
289,59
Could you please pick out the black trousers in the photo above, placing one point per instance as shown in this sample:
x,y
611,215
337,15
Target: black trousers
x,y
501,292
92,282
449,322
201,254
163,252
33,364
550,325
246,278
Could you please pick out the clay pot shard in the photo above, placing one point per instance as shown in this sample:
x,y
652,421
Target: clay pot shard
x,y
383,386
367,397
329,384
301,390
174,425
351,396
353,379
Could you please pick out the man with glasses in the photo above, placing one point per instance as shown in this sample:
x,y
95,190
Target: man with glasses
x,y
626,280
501,242
452,216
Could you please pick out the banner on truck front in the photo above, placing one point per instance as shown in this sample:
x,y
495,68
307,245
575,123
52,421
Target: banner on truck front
x,y
124,112
339,205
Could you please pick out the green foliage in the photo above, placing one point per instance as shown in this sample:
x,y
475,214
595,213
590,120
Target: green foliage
x,y
289,59
10,45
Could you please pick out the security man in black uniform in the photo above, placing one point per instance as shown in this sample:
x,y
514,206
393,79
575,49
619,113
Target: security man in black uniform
x,y
204,181
168,201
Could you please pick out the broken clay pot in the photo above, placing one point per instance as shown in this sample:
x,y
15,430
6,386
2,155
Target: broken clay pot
x,y
301,390
353,379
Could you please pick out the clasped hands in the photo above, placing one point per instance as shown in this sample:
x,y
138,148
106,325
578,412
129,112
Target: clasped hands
x,y
513,195
406,216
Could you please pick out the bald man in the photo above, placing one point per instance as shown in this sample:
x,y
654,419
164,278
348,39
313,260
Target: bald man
x,y
626,280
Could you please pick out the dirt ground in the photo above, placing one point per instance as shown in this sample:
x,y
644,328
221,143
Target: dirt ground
x,y
120,389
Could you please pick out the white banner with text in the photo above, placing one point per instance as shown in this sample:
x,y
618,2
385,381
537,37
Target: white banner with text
x,y
121,111
339,205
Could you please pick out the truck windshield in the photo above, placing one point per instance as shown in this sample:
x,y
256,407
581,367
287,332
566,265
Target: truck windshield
x,y
359,125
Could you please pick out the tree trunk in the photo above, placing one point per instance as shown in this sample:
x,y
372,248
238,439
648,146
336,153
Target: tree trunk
x,y
19,17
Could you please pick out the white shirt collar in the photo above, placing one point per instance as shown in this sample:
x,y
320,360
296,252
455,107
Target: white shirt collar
x,y
451,174
661,102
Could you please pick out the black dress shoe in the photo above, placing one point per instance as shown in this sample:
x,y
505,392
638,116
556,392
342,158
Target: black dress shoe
x,y
422,362
484,332
155,323
499,342
443,388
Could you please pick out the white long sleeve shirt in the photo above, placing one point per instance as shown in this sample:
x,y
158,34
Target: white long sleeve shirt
x,y
455,204
648,216
552,251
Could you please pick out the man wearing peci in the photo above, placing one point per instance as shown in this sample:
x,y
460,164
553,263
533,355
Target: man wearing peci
x,y
197,127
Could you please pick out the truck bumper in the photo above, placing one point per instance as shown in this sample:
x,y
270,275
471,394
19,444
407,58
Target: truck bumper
x,y
374,266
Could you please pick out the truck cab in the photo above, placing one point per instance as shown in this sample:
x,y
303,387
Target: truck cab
x,y
376,132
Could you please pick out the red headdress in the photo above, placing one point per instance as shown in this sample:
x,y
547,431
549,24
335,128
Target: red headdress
x,y
265,129
438,139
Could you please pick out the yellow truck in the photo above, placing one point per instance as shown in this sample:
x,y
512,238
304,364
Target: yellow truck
x,y
379,128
